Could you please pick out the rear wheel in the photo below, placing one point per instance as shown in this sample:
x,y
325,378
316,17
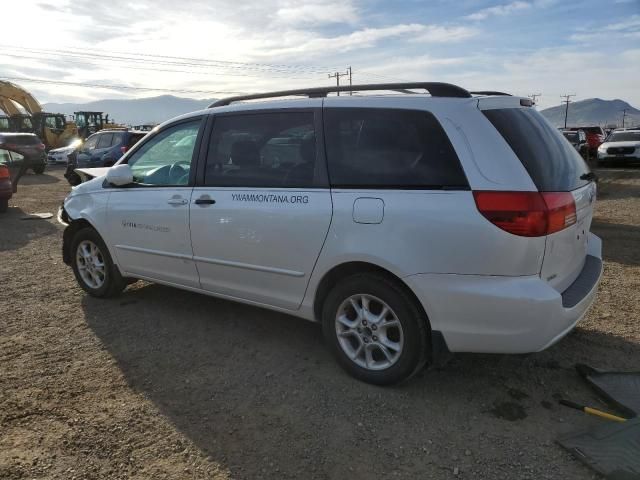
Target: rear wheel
x,y
4,205
39,169
375,329
93,266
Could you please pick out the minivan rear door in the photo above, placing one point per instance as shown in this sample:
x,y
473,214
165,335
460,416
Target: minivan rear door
x,y
554,166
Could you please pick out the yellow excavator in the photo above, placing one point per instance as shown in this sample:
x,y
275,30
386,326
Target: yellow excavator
x,y
53,128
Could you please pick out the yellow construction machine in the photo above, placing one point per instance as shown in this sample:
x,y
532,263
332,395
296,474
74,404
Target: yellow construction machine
x,y
53,128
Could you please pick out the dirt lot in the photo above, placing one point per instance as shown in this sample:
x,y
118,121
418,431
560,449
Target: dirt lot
x,y
160,383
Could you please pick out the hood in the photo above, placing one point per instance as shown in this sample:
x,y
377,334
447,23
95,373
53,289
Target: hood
x,y
633,143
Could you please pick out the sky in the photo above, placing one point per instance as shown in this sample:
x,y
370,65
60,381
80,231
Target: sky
x,y
214,48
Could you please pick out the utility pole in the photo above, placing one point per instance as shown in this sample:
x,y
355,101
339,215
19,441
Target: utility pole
x,y
337,76
624,114
567,99
350,80
533,97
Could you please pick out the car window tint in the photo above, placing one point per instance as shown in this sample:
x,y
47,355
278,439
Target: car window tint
x,y
389,148
262,150
133,139
90,143
104,140
166,158
552,163
117,139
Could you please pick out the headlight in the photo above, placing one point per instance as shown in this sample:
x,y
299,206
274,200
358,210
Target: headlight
x,y
602,149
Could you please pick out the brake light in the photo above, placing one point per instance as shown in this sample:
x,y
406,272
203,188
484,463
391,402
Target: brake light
x,y
124,149
40,146
527,214
4,172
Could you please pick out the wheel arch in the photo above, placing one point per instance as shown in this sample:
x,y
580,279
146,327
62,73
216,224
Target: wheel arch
x,y
343,270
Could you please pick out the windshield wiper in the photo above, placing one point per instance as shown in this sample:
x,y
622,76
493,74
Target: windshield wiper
x,y
589,176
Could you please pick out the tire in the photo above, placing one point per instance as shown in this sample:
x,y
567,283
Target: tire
x,y
98,282
38,169
4,205
411,346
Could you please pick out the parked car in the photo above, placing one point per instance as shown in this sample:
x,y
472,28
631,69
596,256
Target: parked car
x,y
595,137
578,139
6,186
409,225
101,149
61,155
622,146
28,146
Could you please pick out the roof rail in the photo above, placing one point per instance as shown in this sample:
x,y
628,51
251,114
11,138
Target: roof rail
x,y
436,89
490,92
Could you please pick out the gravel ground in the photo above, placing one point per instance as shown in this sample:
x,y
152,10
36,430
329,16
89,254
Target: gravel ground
x,y
161,383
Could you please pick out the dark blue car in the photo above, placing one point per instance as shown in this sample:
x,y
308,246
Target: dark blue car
x,y
102,149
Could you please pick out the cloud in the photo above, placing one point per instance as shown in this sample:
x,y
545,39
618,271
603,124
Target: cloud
x,y
625,30
499,10
317,14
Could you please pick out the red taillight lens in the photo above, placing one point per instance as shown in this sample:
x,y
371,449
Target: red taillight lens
x,y
561,210
40,146
4,172
527,214
124,149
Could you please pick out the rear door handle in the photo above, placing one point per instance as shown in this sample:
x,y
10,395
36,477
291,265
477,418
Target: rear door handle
x,y
177,201
204,201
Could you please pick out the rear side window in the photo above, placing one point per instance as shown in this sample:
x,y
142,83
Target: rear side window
x,y
389,148
22,139
133,139
553,164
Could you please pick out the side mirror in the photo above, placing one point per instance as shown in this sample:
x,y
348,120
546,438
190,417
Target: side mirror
x,y
120,175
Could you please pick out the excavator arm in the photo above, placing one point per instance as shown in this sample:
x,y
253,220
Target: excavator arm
x,y
13,92
8,107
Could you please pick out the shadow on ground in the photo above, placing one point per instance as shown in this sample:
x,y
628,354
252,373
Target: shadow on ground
x,y
33,179
10,223
254,389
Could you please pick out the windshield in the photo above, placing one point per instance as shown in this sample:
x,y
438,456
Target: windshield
x,y
624,137
571,136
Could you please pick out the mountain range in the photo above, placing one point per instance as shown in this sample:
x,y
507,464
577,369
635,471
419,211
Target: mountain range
x,y
593,111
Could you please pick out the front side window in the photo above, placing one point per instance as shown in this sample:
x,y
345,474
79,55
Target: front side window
x,y
166,158
262,150
389,148
91,142
104,140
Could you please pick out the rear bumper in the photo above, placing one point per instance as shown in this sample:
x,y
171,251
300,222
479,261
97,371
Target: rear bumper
x,y
491,314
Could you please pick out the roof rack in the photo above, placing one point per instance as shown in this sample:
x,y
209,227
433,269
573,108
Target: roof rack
x,y
436,89
490,92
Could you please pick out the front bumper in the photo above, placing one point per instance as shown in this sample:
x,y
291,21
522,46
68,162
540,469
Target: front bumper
x,y
494,314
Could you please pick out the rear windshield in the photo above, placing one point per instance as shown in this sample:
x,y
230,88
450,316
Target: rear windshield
x,y
571,136
553,164
21,139
624,137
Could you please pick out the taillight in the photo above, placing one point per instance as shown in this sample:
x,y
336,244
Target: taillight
x,y
40,146
4,172
527,214
124,149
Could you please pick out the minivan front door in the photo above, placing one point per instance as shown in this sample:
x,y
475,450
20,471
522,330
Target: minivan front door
x,y
261,215
149,220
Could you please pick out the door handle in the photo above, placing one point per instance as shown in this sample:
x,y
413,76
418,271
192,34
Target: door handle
x,y
177,201
204,201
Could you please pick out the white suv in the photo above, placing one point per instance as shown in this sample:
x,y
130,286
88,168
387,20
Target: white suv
x,y
409,225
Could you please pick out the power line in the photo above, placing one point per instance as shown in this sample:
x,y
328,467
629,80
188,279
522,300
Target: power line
x,y
115,87
129,67
169,60
567,99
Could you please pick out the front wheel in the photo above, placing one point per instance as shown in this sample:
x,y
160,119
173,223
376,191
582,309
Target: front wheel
x,y
375,329
92,265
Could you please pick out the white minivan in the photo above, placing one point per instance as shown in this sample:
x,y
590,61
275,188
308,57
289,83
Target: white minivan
x,y
410,225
